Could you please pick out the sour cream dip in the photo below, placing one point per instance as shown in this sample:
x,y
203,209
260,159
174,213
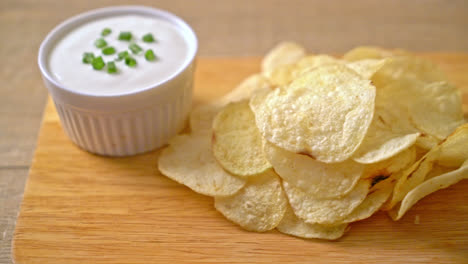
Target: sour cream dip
x,y
138,107
170,47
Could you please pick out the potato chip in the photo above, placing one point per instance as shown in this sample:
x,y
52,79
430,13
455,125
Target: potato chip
x,y
369,52
285,74
325,113
374,200
436,183
259,206
367,67
294,226
202,116
386,137
318,179
246,88
237,143
400,68
386,168
454,150
426,142
281,54
282,75
325,211
188,160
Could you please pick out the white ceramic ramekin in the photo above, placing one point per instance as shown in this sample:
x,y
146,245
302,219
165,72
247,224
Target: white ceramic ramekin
x,y
127,123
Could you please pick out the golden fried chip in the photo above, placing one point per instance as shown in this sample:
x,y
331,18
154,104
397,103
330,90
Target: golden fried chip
x,y
325,113
237,143
454,150
294,226
189,160
246,89
428,187
281,54
325,211
387,136
399,68
369,52
386,168
201,117
367,67
318,179
374,200
259,206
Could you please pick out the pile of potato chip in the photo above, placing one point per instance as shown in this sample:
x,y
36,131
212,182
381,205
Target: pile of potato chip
x,y
313,143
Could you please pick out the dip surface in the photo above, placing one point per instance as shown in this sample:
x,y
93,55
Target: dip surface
x,y
171,48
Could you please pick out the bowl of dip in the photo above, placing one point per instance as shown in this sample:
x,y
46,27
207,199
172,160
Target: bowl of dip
x,y
120,77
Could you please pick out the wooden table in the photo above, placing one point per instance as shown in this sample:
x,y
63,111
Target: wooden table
x,y
224,28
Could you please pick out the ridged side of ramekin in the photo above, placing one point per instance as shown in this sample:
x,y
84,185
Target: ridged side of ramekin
x,y
125,134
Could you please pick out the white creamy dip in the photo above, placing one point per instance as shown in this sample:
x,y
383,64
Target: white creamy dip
x,y
171,48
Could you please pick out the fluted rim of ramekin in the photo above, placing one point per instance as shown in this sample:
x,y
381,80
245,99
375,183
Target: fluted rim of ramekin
x,y
80,19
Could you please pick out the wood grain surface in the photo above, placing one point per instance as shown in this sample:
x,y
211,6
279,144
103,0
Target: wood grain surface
x,y
83,208
224,28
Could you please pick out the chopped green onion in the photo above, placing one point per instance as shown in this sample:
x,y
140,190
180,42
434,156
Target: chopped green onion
x,y
122,55
135,48
98,63
100,43
88,57
149,55
111,68
125,36
106,32
148,38
108,50
130,61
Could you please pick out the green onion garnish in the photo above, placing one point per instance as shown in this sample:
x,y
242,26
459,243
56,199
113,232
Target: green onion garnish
x,y
88,57
130,61
135,48
122,55
98,63
125,36
148,38
149,55
108,50
106,32
111,68
100,43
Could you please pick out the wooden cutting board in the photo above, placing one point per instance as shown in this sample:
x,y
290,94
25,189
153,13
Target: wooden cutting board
x,y
83,208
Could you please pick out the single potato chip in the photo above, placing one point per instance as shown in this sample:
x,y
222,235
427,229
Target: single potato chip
x,y
201,117
387,136
367,67
376,197
318,179
259,206
454,150
237,143
246,89
281,54
406,67
369,52
436,183
189,160
325,113
294,226
325,211
386,168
